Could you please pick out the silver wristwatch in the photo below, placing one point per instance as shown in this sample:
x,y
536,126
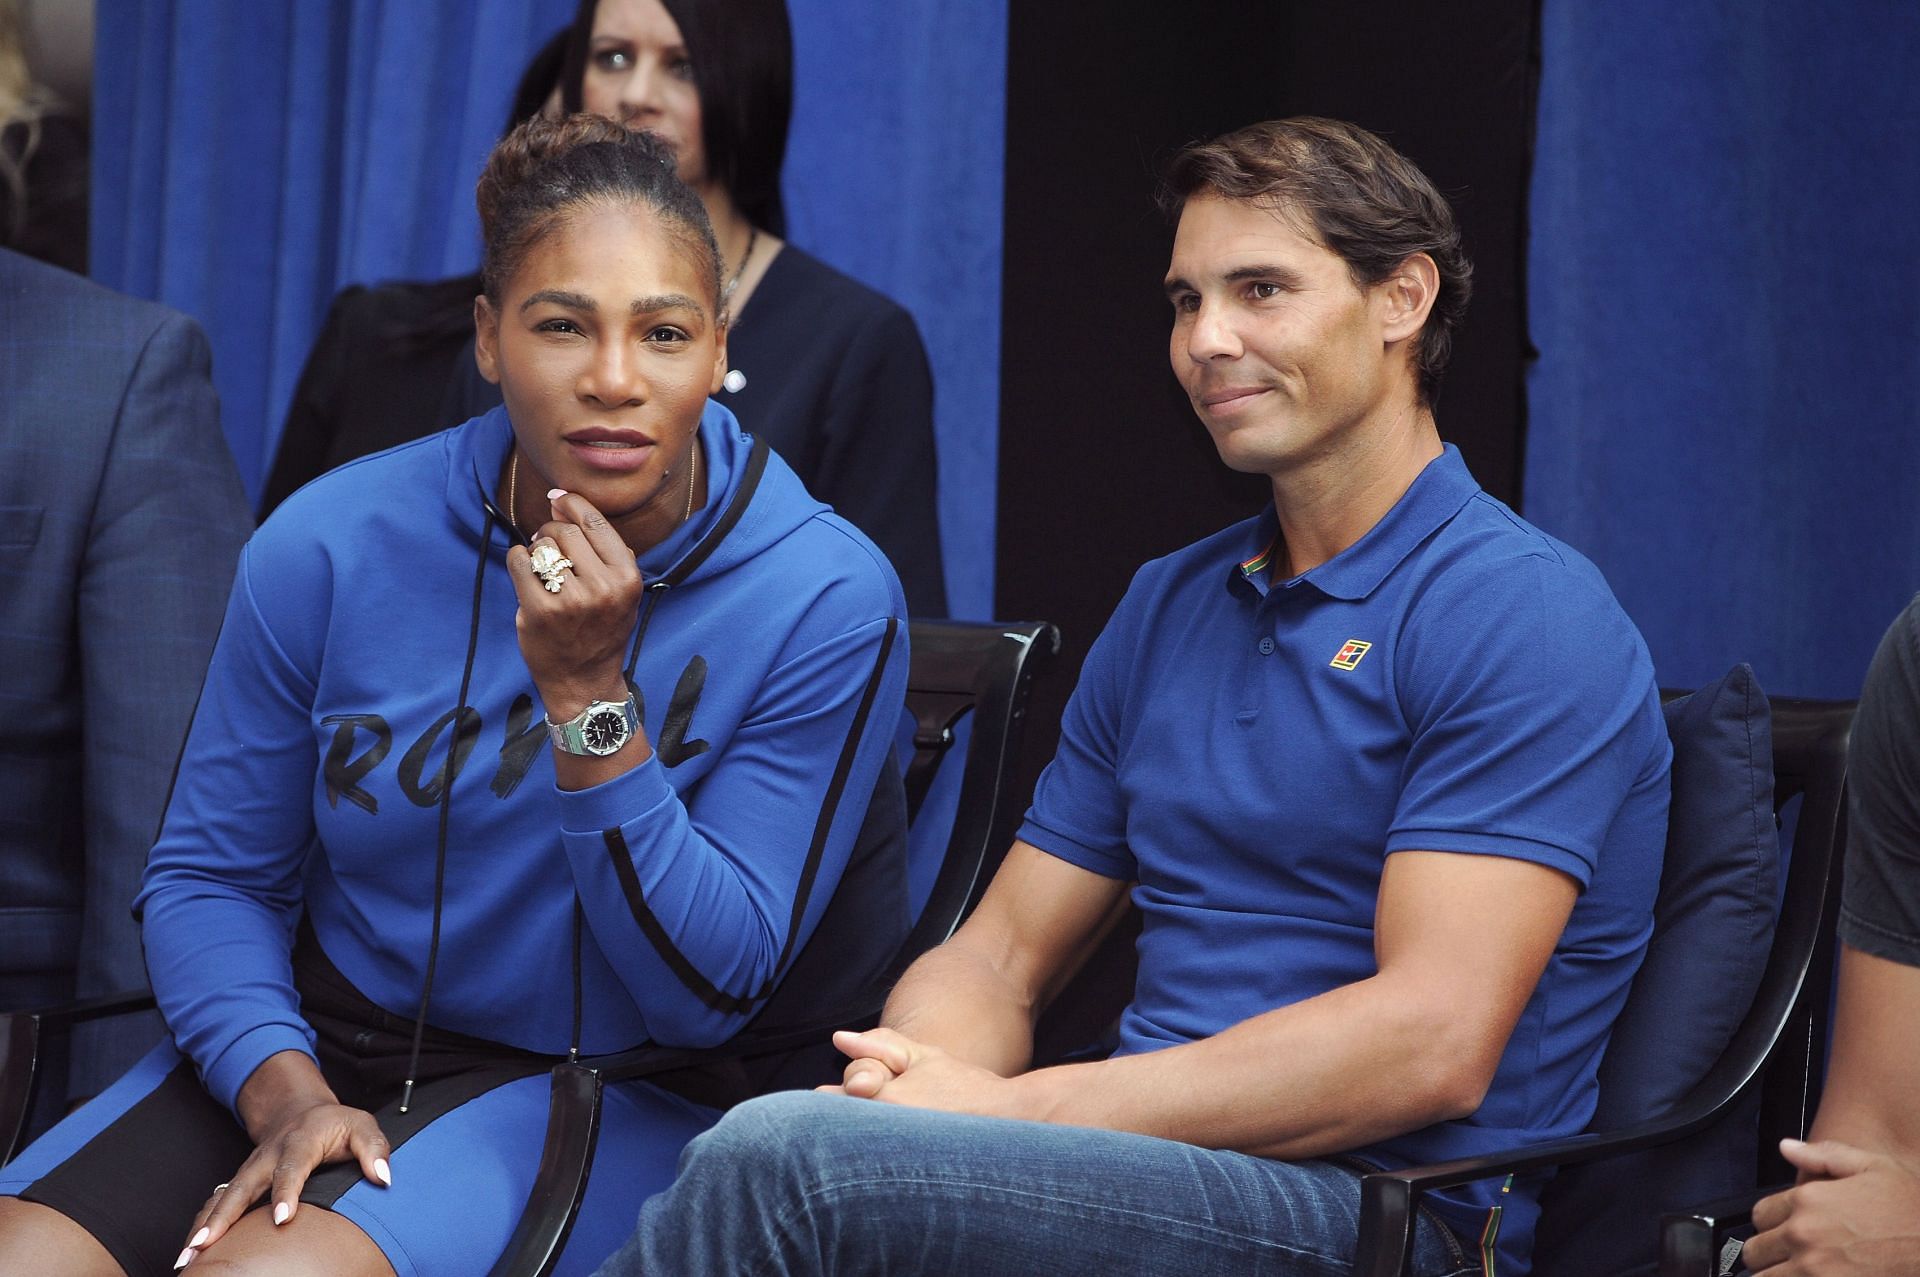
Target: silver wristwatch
x,y
598,730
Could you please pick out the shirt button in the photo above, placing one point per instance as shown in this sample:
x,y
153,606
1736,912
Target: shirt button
x,y
1266,647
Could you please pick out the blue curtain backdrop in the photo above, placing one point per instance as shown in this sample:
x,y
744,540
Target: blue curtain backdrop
x,y
1726,410
251,158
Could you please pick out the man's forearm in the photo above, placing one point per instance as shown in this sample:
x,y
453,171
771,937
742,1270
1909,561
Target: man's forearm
x,y
1868,1126
956,999
1873,1073
1461,941
1351,1067
975,997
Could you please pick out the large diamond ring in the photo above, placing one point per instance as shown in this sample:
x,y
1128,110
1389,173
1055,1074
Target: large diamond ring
x,y
548,564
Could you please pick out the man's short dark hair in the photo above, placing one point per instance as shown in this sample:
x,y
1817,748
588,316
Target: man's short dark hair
x,y
1369,204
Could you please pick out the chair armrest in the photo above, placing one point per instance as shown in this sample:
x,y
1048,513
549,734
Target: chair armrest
x,y
1388,1199
573,1130
20,1037
106,1005
1693,1242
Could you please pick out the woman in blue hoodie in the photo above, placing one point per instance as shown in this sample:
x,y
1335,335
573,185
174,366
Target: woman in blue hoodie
x,y
552,733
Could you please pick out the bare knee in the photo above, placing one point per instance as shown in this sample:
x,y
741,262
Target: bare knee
x,y
39,1239
314,1243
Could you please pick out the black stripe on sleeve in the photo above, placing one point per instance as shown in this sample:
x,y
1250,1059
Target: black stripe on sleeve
x,y
643,915
656,934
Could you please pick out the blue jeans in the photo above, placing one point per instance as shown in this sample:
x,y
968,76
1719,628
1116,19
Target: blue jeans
x,y
804,1183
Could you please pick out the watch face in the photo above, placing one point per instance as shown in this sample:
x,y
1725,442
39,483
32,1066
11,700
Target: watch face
x,y
605,731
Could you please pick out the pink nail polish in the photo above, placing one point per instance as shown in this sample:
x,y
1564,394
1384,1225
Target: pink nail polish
x,y
200,1239
282,1212
556,493
384,1171
186,1257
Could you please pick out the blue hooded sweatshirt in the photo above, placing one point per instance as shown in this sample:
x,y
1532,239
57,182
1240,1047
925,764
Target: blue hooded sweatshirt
x,y
368,692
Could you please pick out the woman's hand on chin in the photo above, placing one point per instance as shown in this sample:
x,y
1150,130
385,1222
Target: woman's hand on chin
x,y
574,639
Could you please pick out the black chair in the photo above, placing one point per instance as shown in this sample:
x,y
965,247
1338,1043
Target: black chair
x,y
959,670
1697,1240
1778,1049
22,1034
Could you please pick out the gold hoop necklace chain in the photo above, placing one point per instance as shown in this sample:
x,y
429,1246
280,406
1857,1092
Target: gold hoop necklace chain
x,y
693,479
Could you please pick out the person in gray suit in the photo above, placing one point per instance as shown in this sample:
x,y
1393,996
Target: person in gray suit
x,y
121,518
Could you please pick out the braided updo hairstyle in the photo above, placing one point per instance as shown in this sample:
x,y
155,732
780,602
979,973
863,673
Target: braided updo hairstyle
x,y
545,169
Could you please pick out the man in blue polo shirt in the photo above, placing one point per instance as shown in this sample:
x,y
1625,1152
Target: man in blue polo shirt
x,y
1383,771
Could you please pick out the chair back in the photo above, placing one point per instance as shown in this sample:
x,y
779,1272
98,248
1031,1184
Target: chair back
x,y
1724,1028
958,672
982,672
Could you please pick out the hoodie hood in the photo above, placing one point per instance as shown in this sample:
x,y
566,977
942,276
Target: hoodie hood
x,y
753,497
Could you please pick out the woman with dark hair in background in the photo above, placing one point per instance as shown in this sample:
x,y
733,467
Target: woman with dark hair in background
x,y
829,372
556,733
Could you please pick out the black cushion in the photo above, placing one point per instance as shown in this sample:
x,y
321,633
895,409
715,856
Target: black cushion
x,y
1713,925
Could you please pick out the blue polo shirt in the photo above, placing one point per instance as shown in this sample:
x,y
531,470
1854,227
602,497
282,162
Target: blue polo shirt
x,y
1249,752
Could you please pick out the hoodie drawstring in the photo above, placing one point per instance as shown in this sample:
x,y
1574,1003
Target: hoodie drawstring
x,y
579,925
446,808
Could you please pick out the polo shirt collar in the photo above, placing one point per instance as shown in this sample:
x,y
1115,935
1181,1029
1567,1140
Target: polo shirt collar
x,y
1436,495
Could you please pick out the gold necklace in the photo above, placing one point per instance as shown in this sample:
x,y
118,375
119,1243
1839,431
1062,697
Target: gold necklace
x,y
693,478
513,494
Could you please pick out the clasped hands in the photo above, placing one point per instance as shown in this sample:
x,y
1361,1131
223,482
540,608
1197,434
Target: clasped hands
x,y
889,1066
